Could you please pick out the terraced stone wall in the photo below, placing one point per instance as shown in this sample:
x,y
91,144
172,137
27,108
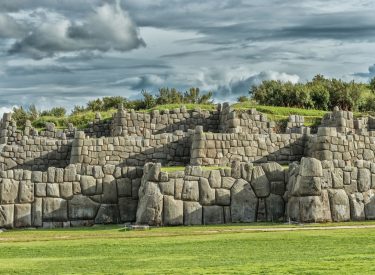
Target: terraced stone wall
x,y
243,193
37,153
75,196
329,144
223,148
126,123
324,191
168,149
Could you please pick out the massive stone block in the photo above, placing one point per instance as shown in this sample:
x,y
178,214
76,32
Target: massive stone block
x,y
37,208
215,179
274,171
192,213
128,209
82,208
243,202
26,192
173,211
357,207
88,185
150,204
275,208
311,167
22,215
222,196
66,190
313,209
307,186
8,191
109,195
340,207
190,191
6,215
369,201
206,193
55,209
213,214
108,213
364,179
260,183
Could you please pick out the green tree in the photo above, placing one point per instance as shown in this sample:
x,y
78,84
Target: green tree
x,y
243,98
78,109
55,111
95,105
194,96
148,100
372,84
112,102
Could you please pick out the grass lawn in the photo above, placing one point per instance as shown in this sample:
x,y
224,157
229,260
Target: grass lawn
x,y
188,250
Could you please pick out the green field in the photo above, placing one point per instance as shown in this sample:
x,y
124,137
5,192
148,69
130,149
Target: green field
x,y
188,250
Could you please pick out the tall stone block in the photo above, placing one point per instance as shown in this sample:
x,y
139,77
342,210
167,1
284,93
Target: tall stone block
x,y
243,202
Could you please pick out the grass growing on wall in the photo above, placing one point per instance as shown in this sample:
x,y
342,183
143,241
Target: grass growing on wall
x,y
281,114
209,107
182,168
277,114
80,120
188,250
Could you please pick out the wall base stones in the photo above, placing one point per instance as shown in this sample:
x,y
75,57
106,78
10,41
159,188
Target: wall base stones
x,y
209,196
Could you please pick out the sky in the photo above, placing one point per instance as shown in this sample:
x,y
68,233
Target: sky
x,y
66,52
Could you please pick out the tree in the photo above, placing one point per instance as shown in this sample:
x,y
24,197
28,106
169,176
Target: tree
x,y
372,84
112,102
194,96
78,109
55,111
243,98
95,105
148,100
20,116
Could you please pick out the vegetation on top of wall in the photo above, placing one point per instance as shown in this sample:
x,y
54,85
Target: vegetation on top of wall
x,y
275,98
320,93
171,169
209,107
80,120
281,114
82,115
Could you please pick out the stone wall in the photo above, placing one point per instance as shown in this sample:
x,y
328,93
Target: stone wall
x,y
244,121
75,196
126,123
168,149
223,148
323,191
330,144
37,153
54,178
245,193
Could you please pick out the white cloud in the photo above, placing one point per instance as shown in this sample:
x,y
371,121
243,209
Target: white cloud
x,y
9,28
5,110
107,28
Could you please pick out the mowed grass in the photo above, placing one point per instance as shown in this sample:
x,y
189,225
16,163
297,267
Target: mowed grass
x,y
188,250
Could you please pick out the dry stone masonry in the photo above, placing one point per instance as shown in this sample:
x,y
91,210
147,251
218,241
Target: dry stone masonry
x,y
235,166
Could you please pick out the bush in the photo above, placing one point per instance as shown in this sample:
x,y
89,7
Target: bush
x,y
319,93
56,112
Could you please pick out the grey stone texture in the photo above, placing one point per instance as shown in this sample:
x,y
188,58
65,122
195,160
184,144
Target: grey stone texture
x,y
113,171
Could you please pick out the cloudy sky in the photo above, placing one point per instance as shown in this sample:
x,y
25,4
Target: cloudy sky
x,y
65,52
